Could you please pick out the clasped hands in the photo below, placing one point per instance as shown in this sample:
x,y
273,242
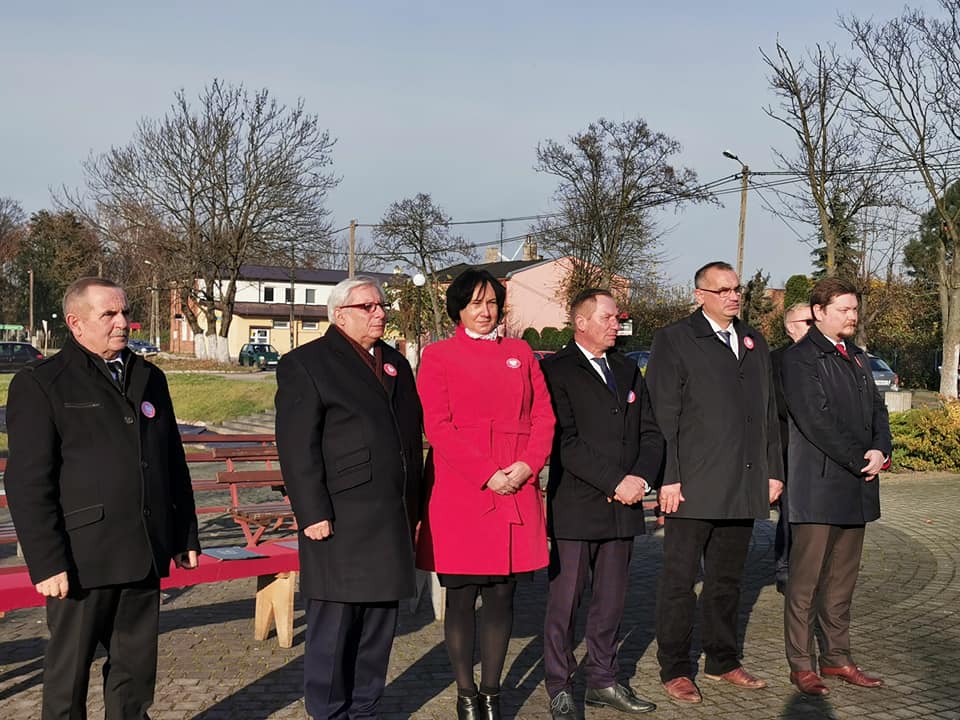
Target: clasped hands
x,y
510,479
630,490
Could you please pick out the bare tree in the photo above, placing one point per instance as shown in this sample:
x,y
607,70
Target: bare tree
x,y
11,233
611,176
907,91
416,232
838,168
211,187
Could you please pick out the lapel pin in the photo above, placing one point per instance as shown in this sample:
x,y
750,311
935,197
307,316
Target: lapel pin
x,y
748,342
631,397
148,409
513,363
389,369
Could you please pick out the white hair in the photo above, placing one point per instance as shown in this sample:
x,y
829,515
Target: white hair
x,y
340,294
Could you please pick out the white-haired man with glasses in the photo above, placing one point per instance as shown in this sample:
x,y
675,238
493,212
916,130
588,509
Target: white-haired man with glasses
x,y
349,438
711,387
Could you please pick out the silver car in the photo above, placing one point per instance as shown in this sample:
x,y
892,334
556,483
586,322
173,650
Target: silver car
x,y
883,376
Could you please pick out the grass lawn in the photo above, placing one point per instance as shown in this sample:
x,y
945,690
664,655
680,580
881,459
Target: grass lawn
x,y
200,398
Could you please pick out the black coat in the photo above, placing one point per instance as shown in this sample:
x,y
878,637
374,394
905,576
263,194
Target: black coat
x,y
96,486
718,415
783,417
351,451
599,439
836,415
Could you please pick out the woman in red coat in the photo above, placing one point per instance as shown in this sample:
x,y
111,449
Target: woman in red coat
x,y
489,421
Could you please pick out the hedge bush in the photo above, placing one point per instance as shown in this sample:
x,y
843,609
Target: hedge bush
x,y
927,438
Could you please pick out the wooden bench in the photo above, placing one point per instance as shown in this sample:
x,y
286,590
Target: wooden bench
x,y
255,519
276,575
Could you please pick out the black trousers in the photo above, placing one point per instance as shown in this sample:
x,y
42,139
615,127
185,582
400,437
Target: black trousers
x,y
346,656
125,620
570,563
723,546
781,544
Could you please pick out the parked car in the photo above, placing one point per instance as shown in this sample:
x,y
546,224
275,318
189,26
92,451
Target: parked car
x,y
259,355
640,357
142,347
14,355
883,376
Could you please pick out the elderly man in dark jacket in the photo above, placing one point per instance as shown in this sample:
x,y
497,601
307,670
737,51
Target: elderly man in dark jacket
x,y
606,448
711,386
839,442
351,451
101,499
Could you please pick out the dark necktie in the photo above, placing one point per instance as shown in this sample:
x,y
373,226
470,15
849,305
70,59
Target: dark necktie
x,y
116,369
843,350
607,374
725,335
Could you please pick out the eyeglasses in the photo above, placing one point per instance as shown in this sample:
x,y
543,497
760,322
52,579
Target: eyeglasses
x,y
806,321
725,292
368,308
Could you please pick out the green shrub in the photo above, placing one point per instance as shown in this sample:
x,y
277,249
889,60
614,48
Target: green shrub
x,y
927,438
532,336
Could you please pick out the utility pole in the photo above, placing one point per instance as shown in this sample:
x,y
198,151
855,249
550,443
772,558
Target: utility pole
x,y
293,289
745,178
352,253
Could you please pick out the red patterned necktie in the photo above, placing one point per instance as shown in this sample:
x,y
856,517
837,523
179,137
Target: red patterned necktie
x,y
842,350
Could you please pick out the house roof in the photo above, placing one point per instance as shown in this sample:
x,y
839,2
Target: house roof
x,y
500,270
275,273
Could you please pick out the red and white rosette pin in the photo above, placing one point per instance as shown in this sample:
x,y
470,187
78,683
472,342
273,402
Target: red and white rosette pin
x,y
748,342
148,410
631,397
389,369
513,363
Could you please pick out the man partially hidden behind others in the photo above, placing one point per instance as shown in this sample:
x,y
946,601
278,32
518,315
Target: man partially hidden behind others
x,y
101,499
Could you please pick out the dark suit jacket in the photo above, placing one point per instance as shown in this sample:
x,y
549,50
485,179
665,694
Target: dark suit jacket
x,y
600,438
836,415
351,451
776,359
97,481
718,414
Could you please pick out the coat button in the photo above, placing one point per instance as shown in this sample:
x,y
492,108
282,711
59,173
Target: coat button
x,y
615,411
128,420
749,418
146,512
749,465
144,464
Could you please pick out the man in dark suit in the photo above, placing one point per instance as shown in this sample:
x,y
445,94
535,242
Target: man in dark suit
x,y
351,452
796,321
711,387
101,499
839,442
606,446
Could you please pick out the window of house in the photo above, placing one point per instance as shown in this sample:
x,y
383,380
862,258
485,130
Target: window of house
x,y
288,295
308,325
268,294
311,298
281,324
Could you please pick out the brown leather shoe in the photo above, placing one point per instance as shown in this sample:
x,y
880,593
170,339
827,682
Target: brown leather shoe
x,y
851,674
682,690
740,678
809,683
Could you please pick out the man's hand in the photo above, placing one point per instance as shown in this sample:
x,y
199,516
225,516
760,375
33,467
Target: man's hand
x,y
319,531
670,498
630,490
55,587
776,489
518,473
186,560
875,461
500,483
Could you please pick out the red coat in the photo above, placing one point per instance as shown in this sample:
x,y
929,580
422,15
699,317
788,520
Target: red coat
x,y
485,406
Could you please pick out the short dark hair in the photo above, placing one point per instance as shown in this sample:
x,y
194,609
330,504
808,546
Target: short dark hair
x,y
716,264
78,288
827,289
461,291
584,296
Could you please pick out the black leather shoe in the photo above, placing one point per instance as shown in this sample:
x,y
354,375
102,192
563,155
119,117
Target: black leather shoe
x,y
468,707
489,706
562,707
619,697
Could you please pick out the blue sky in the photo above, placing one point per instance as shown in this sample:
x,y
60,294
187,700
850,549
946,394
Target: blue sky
x,y
449,98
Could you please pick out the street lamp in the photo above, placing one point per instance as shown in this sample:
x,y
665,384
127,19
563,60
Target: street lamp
x,y
419,280
744,179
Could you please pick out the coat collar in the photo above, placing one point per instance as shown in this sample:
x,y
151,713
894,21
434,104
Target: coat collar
x,y
361,370
135,370
619,366
703,331
825,345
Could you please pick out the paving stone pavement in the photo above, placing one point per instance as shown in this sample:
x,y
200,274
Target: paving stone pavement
x,y
905,627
